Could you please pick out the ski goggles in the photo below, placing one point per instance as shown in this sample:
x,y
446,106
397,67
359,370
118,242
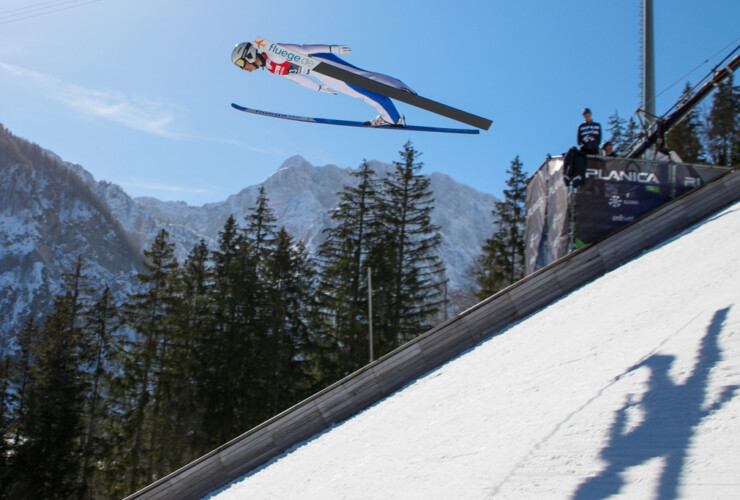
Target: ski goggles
x,y
248,55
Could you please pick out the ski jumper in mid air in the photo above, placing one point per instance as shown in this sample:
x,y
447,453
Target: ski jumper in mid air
x,y
247,57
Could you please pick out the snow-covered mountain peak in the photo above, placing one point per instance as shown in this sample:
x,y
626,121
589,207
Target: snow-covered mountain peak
x,y
294,162
301,195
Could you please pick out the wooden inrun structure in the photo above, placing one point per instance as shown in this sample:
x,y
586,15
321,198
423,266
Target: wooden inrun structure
x,y
393,371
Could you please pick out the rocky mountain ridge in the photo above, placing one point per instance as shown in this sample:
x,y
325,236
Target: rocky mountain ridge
x,y
52,211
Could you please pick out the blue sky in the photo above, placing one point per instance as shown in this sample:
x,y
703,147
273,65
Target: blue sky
x,y
139,91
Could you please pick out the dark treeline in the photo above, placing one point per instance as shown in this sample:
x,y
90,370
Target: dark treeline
x,y
103,398
708,134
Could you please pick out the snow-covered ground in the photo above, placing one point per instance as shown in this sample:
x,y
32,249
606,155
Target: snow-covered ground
x,y
630,385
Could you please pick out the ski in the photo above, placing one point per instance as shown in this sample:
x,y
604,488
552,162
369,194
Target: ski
x,y
371,85
348,123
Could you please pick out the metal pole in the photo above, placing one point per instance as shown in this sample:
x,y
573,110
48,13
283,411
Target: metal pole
x,y
648,61
370,310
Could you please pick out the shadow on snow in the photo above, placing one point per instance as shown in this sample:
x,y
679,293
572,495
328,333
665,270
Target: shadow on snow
x,y
671,412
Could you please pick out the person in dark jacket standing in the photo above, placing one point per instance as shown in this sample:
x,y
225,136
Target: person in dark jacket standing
x,y
589,134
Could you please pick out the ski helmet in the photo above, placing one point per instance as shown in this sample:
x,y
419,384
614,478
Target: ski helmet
x,y
244,53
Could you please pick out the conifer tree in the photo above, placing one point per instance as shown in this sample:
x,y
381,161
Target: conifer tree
x,y
148,368
47,458
502,261
260,241
631,134
197,279
261,228
102,357
289,290
17,370
223,390
684,138
19,373
5,423
342,294
616,127
404,260
723,124
194,320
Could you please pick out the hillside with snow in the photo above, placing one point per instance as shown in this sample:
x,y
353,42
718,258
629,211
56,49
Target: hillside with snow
x,y
53,211
303,196
629,386
49,218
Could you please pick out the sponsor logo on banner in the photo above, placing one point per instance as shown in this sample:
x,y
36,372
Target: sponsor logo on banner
x,y
260,43
623,218
621,176
287,54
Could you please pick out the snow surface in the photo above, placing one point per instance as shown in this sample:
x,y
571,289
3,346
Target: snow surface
x,y
629,385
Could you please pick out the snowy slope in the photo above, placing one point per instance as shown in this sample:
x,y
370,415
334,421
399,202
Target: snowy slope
x,y
630,385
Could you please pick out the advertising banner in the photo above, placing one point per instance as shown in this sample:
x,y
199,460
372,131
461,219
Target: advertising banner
x,y
611,193
535,231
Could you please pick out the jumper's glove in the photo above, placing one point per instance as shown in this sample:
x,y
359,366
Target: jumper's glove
x,y
324,88
340,49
